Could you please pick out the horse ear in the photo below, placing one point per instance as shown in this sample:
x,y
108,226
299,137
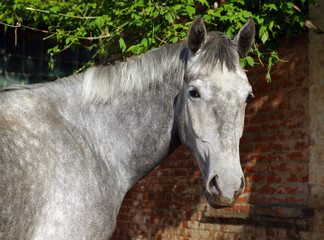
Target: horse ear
x,y
197,34
245,37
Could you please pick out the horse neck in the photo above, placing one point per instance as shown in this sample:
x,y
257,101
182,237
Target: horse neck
x,y
133,132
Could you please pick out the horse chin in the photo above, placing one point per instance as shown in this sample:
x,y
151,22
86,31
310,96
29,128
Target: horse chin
x,y
215,202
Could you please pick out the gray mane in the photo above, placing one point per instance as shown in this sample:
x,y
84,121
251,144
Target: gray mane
x,y
167,63
148,71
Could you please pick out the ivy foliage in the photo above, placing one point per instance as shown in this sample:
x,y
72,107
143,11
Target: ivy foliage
x,y
118,28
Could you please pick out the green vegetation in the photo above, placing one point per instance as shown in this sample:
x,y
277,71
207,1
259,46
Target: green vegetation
x,y
121,28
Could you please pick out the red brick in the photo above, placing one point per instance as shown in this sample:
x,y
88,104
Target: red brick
x,y
297,178
248,167
296,156
243,208
256,178
260,148
271,157
267,189
159,236
290,189
260,138
249,189
296,124
297,200
251,129
276,178
245,158
236,236
279,137
274,199
301,145
242,199
302,168
278,75
278,167
216,235
257,198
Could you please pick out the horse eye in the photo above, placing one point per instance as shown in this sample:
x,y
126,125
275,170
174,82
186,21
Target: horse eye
x,y
249,97
194,93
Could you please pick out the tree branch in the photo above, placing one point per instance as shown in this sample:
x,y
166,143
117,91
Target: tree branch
x,y
60,14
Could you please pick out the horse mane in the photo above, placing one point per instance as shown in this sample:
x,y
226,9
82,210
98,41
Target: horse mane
x,y
138,73
152,69
157,66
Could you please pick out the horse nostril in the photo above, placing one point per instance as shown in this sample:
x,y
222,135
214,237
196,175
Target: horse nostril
x,y
215,185
240,190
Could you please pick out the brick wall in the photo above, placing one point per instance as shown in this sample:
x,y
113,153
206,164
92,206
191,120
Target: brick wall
x,y
281,153
316,110
169,202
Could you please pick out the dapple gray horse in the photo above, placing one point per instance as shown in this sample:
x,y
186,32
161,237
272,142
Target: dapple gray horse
x,y
71,149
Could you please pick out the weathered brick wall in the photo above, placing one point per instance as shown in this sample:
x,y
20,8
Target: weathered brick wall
x,y
316,110
281,153
169,203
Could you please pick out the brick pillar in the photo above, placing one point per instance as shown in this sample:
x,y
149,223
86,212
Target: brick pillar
x,y
316,110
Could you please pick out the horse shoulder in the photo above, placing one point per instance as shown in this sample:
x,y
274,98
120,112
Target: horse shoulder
x,y
49,174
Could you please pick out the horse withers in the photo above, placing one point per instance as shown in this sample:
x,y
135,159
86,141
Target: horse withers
x,y
71,149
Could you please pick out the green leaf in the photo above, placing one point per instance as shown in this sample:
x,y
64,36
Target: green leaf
x,y
250,60
99,22
265,37
207,18
106,18
246,14
271,25
169,17
271,6
144,42
132,49
11,21
68,40
122,44
157,27
268,77
242,62
259,19
190,10
175,39
55,9
262,30
204,2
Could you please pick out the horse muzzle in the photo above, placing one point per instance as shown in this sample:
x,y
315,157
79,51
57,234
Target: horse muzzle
x,y
223,193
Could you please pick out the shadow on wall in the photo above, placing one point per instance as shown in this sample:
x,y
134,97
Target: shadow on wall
x,y
275,148
169,203
164,201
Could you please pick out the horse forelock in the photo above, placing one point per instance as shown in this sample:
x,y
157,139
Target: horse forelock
x,y
139,74
218,51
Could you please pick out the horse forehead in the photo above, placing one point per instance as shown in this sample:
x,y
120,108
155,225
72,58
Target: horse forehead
x,y
229,81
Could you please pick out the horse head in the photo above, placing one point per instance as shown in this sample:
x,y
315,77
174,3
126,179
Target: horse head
x,y
211,107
